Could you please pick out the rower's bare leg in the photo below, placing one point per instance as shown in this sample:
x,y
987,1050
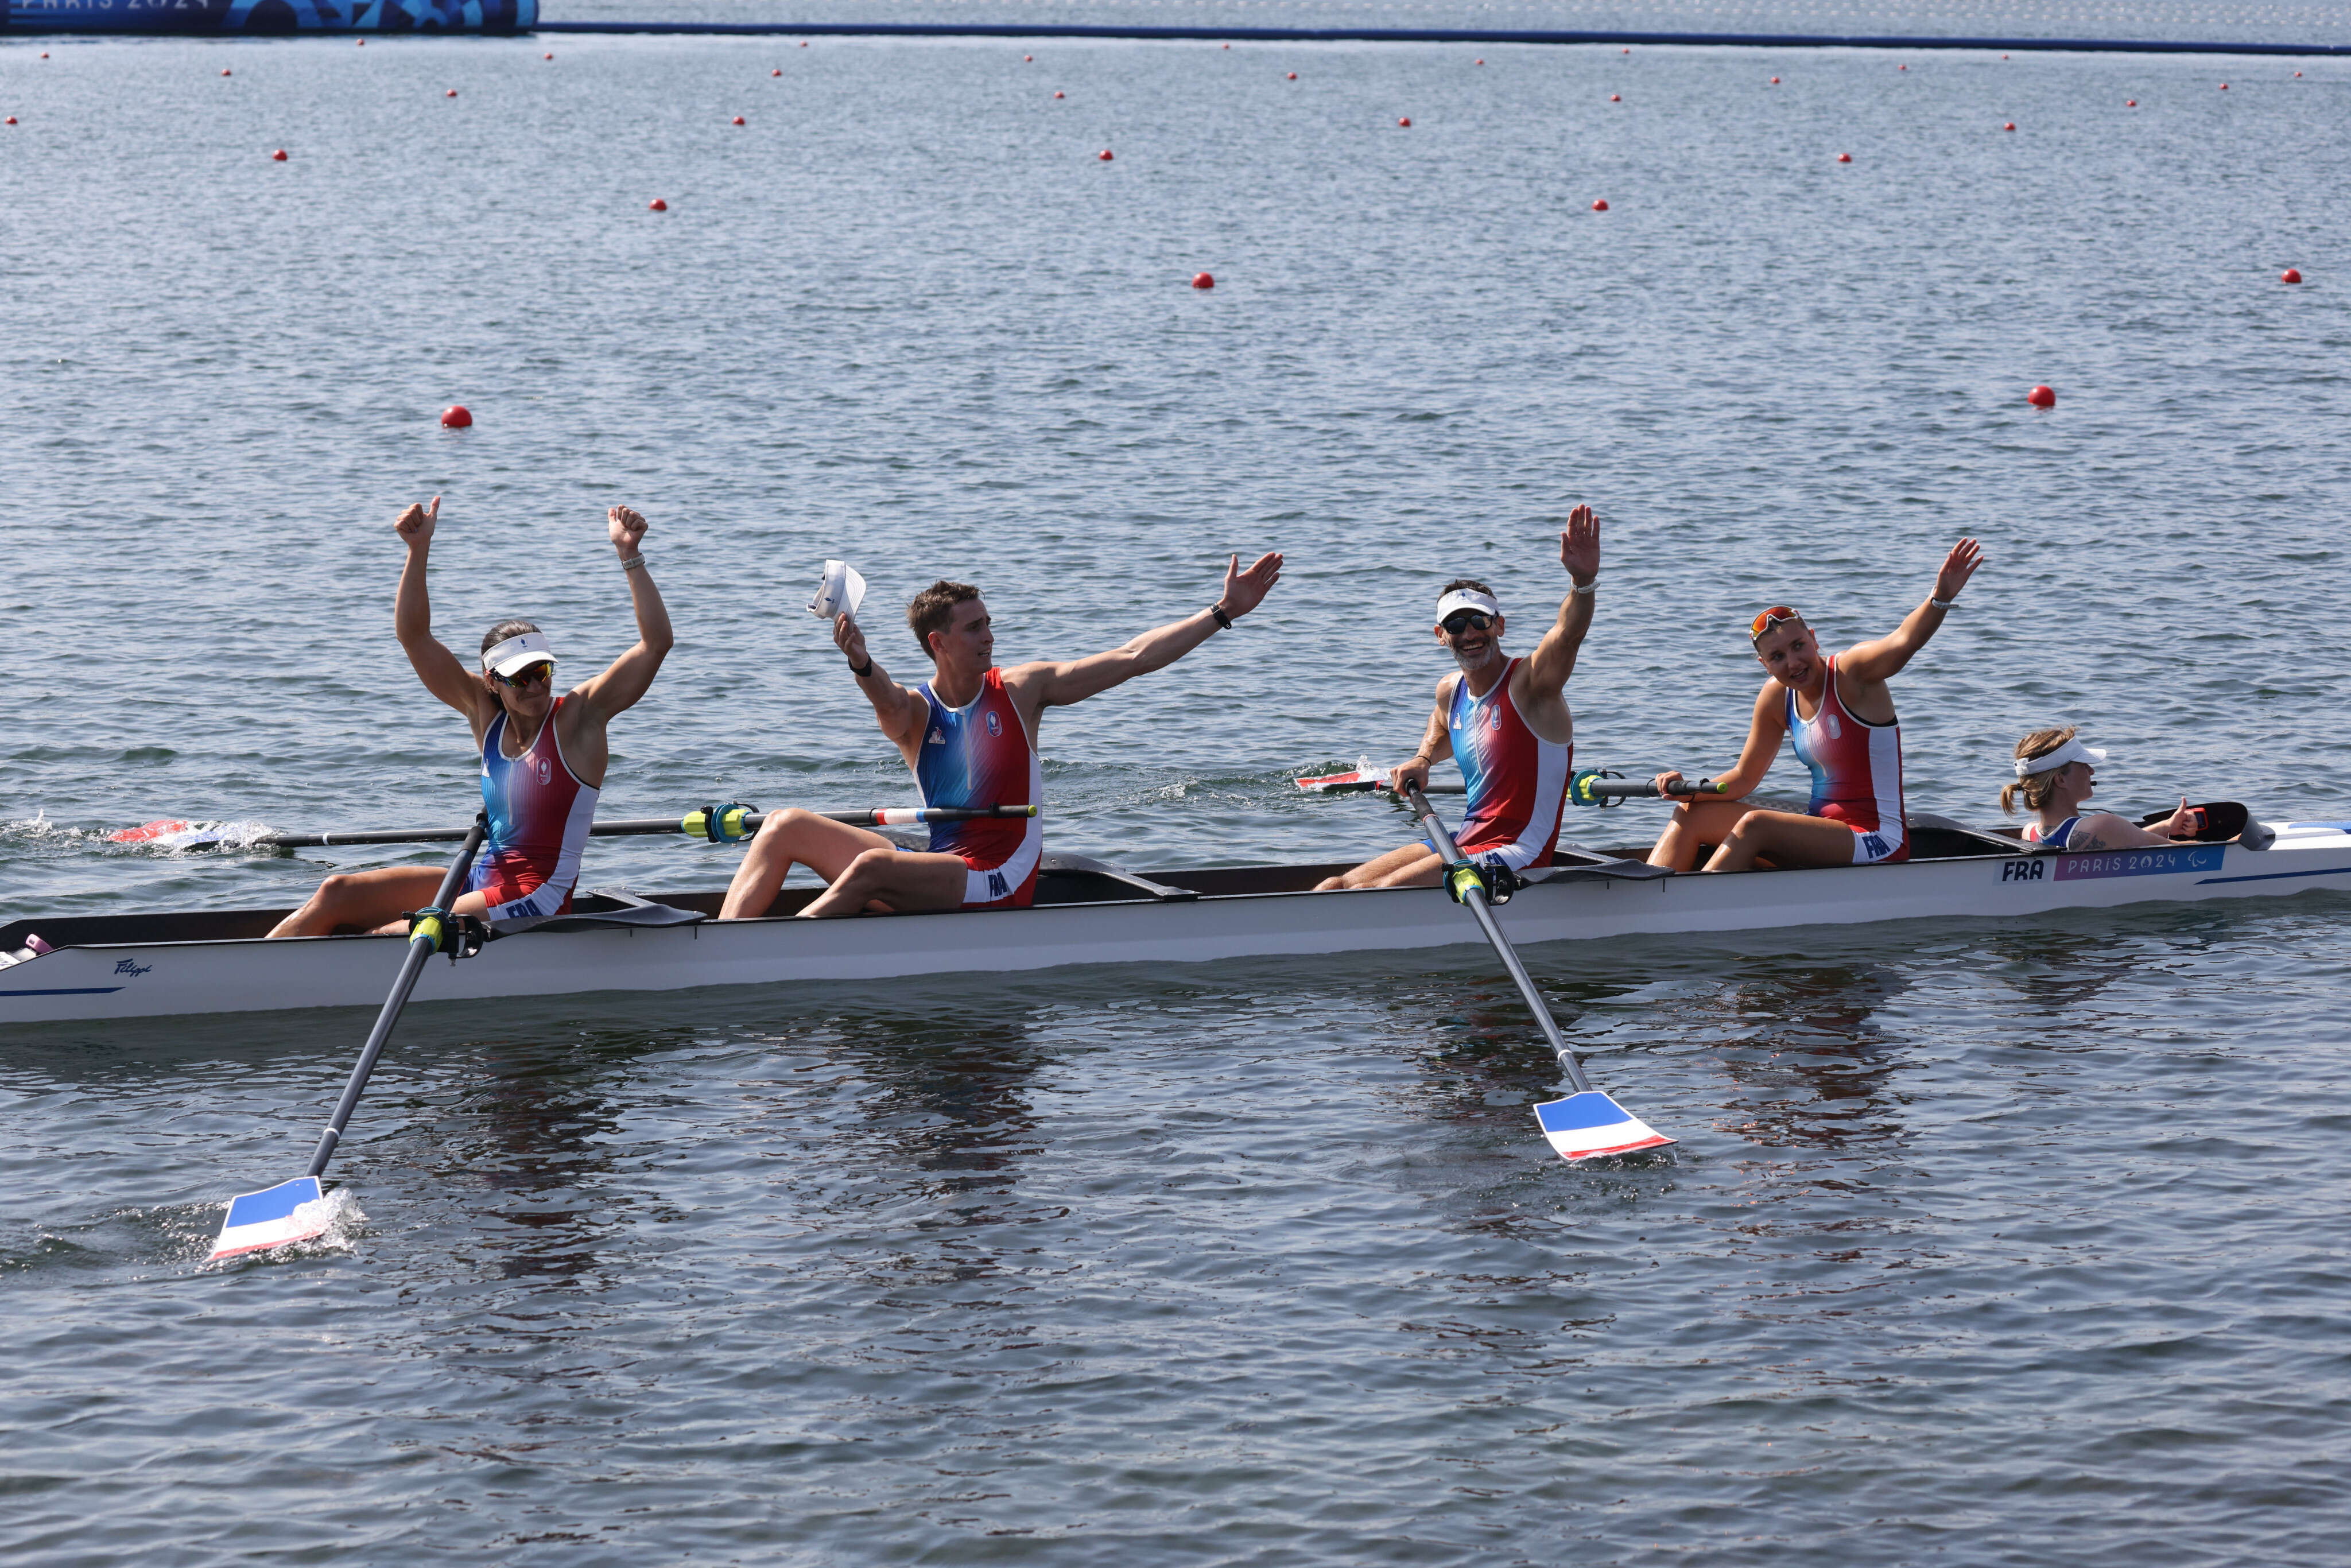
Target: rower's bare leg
x,y
1788,838
1412,865
899,879
476,904
366,899
790,838
1699,822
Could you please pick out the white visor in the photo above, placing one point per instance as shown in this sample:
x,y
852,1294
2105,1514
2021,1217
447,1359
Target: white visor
x,y
840,592
1466,598
518,654
2050,761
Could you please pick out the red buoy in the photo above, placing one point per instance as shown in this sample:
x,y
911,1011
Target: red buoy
x,y
1405,122
1615,97
1027,60
454,417
2224,86
803,43
1203,280
363,43
656,205
1481,62
2130,103
1057,95
1775,81
1845,157
278,156
2010,126
12,120
224,70
2290,275
738,120
2041,397
776,72
1293,75
2297,73
452,92
1901,67
1103,155
1601,206
547,57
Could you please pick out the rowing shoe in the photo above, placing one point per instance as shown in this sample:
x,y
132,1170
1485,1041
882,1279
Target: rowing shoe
x,y
1587,1122
298,1210
720,824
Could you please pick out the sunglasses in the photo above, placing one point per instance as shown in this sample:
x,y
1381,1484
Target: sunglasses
x,y
1462,621
530,675
1770,618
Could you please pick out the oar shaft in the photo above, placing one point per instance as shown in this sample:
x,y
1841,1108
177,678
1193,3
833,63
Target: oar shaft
x,y
655,827
1475,897
422,945
1626,790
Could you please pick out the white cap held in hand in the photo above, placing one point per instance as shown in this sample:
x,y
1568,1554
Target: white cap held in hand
x,y
841,593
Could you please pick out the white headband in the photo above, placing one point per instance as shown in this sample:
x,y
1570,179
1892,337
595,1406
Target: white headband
x,y
516,653
1466,598
2050,761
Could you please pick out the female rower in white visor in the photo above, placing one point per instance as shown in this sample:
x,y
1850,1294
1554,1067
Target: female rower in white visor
x,y
2054,776
543,754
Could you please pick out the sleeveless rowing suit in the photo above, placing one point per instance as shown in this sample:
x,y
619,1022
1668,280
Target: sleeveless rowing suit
x,y
980,755
539,815
1517,780
2057,838
1856,774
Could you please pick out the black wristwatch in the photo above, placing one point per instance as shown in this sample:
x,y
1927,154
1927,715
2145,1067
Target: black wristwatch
x,y
1223,620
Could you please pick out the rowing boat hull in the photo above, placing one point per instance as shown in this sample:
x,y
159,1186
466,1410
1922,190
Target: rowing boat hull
x,y
99,979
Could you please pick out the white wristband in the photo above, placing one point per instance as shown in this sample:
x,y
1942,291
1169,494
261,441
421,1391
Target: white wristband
x,y
1583,589
1940,603
633,563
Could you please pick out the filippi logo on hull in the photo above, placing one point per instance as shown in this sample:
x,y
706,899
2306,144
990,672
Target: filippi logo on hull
x,y
271,15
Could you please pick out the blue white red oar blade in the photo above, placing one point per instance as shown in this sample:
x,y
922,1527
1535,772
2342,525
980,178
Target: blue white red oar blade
x,y
276,1217
1590,1123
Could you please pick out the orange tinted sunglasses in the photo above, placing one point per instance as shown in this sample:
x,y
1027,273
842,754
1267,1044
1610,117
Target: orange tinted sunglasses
x,y
1770,618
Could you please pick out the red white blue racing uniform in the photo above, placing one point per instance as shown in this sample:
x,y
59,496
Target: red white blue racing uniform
x,y
540,816
1856,774
1517,780
980,755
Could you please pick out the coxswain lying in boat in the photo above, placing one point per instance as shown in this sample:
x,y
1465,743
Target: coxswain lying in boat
x,y
1505,720
541,791
1840,714
970,734
2055,774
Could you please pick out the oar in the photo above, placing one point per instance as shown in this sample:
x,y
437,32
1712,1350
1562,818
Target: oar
x,y
732,822
1587,1122
1598,786
296,1210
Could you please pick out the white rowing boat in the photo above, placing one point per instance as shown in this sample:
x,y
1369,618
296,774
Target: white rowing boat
x,y
146,965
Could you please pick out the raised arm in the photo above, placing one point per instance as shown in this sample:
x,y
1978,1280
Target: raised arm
x,y
1578,551
625,679
899,709
1765,731
1058,684
1883,659
443,675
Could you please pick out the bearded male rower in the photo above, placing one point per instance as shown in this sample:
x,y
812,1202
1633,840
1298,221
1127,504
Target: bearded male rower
x,y
1505,720
1849,738
543,756
970,734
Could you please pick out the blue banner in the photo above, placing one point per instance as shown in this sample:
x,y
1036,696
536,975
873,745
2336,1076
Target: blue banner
x,y
269,15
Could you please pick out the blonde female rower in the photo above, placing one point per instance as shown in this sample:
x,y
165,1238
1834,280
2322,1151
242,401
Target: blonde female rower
x,y
2055,774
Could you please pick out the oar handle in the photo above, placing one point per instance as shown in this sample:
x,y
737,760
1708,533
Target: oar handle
x,y
1472,894
422,942
1597,787
735,822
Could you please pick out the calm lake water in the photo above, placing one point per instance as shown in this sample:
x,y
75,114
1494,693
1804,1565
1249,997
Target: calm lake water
x,y
1983,1244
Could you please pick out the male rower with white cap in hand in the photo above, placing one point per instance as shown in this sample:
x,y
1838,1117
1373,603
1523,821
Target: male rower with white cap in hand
x,y
543,756
1505,720
970,734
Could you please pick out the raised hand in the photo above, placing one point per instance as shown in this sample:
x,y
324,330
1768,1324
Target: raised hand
x,y
1579,545
1957,567
415,524
1245,590
2184,823
627,529
850,638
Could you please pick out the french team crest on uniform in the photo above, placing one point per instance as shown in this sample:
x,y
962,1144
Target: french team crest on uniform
x,y
995,724
936,738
